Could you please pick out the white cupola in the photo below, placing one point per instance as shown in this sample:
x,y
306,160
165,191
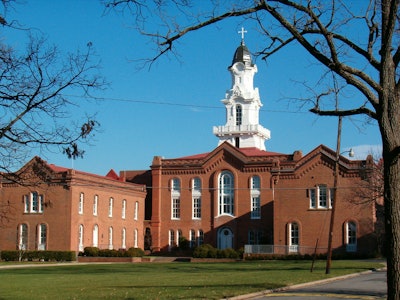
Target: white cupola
x,y
242,102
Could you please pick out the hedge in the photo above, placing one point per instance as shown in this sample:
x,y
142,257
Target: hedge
x,y
94,251
16,255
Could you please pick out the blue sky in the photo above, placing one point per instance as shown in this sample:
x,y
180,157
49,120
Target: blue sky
x,y
170,109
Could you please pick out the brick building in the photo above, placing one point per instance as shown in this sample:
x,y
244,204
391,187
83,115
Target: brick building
x,y
55,208
240,194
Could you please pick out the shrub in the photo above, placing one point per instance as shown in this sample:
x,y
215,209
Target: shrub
x,y
38,255
91,251
135,252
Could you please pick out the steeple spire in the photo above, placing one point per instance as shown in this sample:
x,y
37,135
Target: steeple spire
x,y
242,103
242,32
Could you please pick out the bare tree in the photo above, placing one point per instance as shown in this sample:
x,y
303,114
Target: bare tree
x,y
357,41
35,103
35,109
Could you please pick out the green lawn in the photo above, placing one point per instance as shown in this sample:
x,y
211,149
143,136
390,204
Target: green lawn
x,y
163,280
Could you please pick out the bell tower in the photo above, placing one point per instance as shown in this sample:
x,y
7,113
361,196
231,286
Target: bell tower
x,y
242,103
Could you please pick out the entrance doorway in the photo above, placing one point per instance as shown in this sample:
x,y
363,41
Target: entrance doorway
x,y
225,238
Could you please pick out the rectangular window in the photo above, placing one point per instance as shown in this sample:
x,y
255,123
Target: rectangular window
x,y
197,208
312,199
255,208
322,199
33,203
42,237
176,208
200,237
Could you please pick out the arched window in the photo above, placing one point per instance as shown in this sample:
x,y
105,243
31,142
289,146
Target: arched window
x,y
42,237
110,238
171,239
23,237
135,238
255,197
200,237
95,203
238,115
95,235
123,238
293,238
196,198
192,238
136,212
80,206
351,237
110,207
80,238
226,194
123,209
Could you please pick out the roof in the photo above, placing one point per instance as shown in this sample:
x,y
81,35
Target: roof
x,y
242,54
250,151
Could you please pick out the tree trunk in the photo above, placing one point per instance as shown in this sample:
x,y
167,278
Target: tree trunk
x,y
389,123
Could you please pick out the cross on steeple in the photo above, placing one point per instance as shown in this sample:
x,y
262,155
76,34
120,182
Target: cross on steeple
x,y
242,32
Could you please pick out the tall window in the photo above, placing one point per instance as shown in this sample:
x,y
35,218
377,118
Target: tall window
x,y
192,238
80,238
196,198
238,115
80,205
255,197
95,235
135,238
123,238
95,203
23,237
110,238
123,209
321,197
226,193
178,236
351,237
293,237
200,237
255,237
110,207
176,198
33,203
42,237
136,212
171,239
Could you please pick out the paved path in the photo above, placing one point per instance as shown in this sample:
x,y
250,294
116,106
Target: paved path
x,y
367,286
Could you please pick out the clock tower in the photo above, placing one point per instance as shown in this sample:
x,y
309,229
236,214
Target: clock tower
x,y
242,102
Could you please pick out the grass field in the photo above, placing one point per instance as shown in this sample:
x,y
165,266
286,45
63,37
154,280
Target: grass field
x,y
163,280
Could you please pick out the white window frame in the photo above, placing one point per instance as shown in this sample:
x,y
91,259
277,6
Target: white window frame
x,y
321,197
294,237
135,238
33,203
226,194
136,212
175,199
23,237
42,237
110,238
95,235
123,238
110,207
192,238
80,237
351,236
123,213
200,237
81,203
171,239
196,198
95,204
